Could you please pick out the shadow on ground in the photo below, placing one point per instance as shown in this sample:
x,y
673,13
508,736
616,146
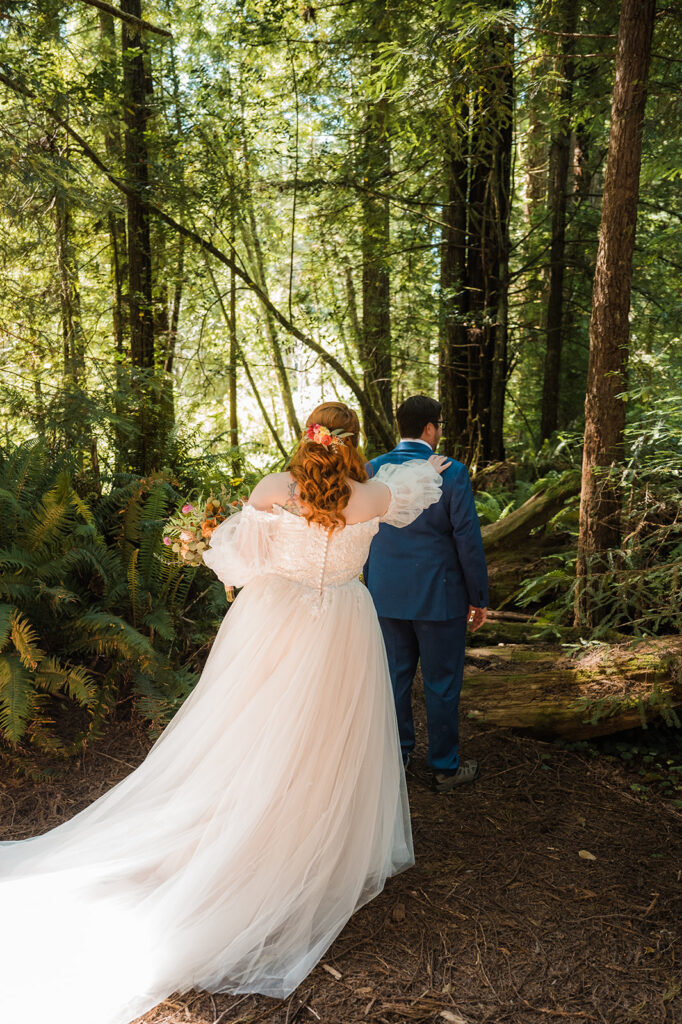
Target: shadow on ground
x,y
502,919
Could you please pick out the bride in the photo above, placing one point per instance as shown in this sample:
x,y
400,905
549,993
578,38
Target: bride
x,y
272,806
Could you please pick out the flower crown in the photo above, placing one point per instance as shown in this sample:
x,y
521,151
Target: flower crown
x,y
319,434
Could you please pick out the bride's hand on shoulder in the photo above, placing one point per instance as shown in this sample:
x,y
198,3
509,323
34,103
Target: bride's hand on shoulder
x,y
439,462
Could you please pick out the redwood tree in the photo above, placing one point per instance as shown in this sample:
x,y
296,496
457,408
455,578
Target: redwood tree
x,y
609,324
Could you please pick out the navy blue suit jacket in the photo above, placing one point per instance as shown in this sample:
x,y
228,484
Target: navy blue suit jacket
x,y
434,568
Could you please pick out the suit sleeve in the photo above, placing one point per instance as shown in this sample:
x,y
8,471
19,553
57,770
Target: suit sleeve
x,y
466,533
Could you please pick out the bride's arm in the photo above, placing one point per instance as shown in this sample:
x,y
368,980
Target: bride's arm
x,y
269,491
383,494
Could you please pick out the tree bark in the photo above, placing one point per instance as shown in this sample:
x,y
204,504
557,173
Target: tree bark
x,y
374,171
488,247
140,281
502,166
560,167
609,324
117,234
545,692
69,293
232,382
453,362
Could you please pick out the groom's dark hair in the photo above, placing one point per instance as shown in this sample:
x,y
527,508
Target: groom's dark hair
x,y
415,413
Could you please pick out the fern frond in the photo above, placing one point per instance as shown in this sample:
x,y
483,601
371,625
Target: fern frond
x,y
86,560
7,612
161,621
178,592
153,517
8,500
17,557
15,590
51,518
134,585
17,697
26,640
82,507
132,520
59,599
54,677
110,634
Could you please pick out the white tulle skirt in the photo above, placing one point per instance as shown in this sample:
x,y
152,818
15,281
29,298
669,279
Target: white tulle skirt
x,y
271,808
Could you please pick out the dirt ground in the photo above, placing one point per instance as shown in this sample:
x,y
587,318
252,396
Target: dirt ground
x,y
503,919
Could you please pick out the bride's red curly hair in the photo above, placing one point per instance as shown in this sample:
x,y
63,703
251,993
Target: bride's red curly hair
x,y
322,473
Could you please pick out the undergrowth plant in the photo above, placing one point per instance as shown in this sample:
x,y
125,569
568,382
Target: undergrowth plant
x,y
637,586
93,611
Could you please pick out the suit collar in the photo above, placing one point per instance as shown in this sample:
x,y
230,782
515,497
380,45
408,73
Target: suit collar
x,y
414,447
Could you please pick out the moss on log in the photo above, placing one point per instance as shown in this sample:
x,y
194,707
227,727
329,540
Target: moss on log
x,y
537,510
600,690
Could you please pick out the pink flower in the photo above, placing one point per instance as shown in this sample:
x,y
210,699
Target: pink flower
x,y
325,439
167,541
188,508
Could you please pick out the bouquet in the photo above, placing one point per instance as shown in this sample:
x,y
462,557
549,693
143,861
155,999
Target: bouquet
x,y
189,531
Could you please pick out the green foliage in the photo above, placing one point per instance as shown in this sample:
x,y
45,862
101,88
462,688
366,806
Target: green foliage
x,y
637,587
93,609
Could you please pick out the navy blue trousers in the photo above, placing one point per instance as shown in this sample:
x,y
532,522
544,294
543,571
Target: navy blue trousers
x,y
440,648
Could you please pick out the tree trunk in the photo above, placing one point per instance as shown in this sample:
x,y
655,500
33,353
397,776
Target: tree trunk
x,y
169,339
232,397
488,247
560,167
69,293
374,172
502,177
453,363
117,233
140,282
609,325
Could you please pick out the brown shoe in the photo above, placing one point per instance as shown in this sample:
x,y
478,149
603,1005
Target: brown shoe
x,y
468,771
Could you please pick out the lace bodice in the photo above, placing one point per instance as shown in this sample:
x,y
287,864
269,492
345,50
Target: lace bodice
x,y
256,543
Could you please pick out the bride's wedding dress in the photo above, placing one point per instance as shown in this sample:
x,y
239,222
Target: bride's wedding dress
x,y
268,811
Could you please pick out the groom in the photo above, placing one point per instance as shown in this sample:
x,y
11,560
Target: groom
x,y
427,580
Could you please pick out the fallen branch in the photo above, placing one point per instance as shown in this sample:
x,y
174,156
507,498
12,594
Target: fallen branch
x,y
116,12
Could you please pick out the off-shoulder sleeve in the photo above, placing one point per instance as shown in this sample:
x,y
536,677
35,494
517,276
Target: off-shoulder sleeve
x,y
414,485
240,547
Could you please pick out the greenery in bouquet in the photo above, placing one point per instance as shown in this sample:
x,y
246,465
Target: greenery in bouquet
x,y
188,532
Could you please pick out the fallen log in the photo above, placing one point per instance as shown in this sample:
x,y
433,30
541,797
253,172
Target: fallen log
x,y
596,691
502,631
539,508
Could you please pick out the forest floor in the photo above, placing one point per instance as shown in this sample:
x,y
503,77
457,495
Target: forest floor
x,y
502,919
